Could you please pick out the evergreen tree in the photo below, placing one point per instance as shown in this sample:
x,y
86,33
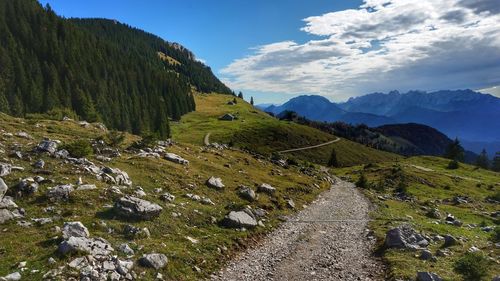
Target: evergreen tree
x,y
251,100
455,151
240,95
235,101
332,162
482,160
496,162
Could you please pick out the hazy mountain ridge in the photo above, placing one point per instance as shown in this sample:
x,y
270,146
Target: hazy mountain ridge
x,y
465,114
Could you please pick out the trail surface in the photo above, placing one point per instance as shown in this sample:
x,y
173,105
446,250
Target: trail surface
x,y
326,241
310,147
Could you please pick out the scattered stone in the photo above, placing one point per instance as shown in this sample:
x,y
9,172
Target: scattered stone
x,y
215,183
27,186
5,215
16,154
137,208
434,213
192,240
5,169
290,203
60,192
3,189
42,221
39,164
92,246
156,261
167,197
74,229
450,240
125,248
426,255
442,253
47,146
405,237
61,154
247,193
239,219
16,276
176,159
428,276
86,187
266,188
207,201
115,176
51,260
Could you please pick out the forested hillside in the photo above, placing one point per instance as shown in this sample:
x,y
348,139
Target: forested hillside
x,y
97,69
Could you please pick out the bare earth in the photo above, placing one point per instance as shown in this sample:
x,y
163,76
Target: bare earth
x,y
326,241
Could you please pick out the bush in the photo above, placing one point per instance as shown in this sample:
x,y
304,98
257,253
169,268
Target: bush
x,y
495,237
453,165
79,148
362,181
149,140
115,138
472,266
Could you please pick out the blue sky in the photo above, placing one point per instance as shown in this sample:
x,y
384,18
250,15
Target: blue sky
x,y
274,50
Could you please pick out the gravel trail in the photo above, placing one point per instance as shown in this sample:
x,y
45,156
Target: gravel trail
x,y
326,241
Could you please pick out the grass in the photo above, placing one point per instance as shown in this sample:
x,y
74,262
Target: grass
x,y
431,184
257,131
168,234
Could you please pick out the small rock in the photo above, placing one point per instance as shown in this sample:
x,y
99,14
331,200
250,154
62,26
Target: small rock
x,y
167,197
239,219
47,146
428,276
247,193
138,208
404,237
425,255
215,183
12,277
449,240
5,169
74,229
154,260
3,188
60,192
176,159
125,248
39,164
93,246
290,203
266,188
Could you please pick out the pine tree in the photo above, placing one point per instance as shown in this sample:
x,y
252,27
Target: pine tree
x,y
455,151
240,95
496,162
251,100
333,162
482,160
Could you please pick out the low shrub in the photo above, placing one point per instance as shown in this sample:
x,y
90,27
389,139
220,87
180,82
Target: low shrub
x,y
472,266
79,148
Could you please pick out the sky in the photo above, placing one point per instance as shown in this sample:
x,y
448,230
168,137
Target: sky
x,y
275,50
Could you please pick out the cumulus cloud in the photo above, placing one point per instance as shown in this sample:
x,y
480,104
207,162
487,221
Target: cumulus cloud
x,y
379,46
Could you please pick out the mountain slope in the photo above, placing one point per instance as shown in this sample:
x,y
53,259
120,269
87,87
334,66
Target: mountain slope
x,y
95,69
257,131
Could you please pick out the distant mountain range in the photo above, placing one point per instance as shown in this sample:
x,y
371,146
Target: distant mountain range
x,y
471,116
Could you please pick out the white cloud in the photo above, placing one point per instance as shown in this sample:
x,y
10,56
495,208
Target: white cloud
x,y
382,45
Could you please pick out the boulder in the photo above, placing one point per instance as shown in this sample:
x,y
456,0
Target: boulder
x,y
3,189
239,219
404,237
60,192
266,188
7,203
137,208
92,246
61,154
47,146
425,255
247,193
215,183
27,186
449,240
153,260
115,176
74,229
428,276
5,169
176,159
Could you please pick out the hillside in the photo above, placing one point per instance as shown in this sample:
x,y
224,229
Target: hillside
x,y
188,230
421,192
98,70
257,131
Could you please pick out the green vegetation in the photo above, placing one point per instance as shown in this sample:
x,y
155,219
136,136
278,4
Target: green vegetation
x,y
427,185
100,70
79,148
472,266
35,244
257,131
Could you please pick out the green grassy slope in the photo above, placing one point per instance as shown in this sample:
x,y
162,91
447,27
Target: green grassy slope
x,y
431,185
36,244
257,131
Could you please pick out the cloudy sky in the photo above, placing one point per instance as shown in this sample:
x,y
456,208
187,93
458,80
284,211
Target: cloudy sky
x,y
274,50
380,45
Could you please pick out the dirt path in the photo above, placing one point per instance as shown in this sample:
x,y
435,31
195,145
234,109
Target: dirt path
x,y
310,147
326,241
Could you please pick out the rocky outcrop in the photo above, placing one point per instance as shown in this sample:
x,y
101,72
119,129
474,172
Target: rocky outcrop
x,y
137,208
92,246
405,237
